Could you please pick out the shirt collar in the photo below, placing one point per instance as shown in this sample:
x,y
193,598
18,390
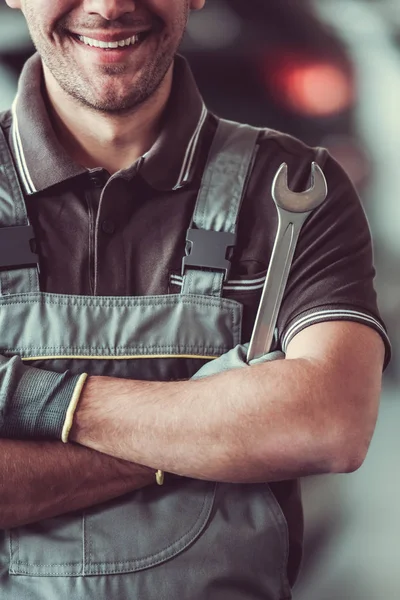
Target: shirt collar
x,y
169,163
42,161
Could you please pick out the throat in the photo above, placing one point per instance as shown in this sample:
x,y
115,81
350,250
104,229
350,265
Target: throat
x,y
112,160
108,140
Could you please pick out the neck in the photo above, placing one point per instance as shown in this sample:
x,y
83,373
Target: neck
x,y
95,139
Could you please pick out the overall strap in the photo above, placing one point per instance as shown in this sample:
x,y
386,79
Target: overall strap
x,y
18,263
212,235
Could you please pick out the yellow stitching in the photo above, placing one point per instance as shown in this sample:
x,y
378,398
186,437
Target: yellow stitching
x,y
127,357
69,417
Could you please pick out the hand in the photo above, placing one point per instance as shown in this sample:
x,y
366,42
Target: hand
x,y
234,359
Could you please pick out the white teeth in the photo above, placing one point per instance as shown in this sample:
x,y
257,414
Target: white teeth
x,y
98,44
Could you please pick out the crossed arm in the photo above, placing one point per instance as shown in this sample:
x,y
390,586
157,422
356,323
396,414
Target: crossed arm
x,y
312,413
39,480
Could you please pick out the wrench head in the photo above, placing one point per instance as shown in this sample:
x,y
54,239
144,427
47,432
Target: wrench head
x,y
299,202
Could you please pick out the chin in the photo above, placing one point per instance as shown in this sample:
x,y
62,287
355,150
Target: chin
x,y
112,106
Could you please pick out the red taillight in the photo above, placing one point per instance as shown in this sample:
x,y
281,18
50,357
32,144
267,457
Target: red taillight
x,y
311,87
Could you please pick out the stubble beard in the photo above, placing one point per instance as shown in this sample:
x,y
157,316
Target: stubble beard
x,y
104,98
107,98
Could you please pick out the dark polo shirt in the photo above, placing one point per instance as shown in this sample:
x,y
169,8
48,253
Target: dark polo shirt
x,y
125,234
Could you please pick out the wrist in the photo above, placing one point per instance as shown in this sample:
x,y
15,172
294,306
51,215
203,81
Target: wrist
x,y
78,425
84,414
72,408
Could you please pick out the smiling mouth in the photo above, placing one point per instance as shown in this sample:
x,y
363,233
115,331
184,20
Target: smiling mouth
x,y
121,44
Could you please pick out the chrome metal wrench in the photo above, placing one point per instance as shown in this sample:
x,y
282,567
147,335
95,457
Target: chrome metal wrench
x,y
293,210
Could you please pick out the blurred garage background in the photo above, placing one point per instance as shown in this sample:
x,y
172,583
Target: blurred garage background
x,y
327,71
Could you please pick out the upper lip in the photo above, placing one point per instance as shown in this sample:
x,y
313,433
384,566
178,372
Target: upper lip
x,y
115,36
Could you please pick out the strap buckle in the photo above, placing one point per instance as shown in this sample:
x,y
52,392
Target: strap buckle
x,y
16,248
207,249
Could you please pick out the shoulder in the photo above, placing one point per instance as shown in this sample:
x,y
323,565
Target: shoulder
x,y
259,215
299,156
271,140
342,207
276,147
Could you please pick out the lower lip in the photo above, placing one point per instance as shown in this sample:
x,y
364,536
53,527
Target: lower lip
x,y
112,55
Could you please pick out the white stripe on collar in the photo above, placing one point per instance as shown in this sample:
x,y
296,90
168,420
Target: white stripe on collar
x,y
191,151
19,152
27,179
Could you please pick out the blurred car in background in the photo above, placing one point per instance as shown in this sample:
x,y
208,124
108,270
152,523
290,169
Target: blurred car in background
x,y
273,63
269,63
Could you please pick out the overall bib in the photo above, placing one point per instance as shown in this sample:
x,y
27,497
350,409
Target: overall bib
x,y
188,539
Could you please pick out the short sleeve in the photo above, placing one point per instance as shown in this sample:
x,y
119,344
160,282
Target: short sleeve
x,y
332,275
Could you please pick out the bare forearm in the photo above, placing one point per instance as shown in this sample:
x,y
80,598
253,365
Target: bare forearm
x,y
229,427
204,429
44,479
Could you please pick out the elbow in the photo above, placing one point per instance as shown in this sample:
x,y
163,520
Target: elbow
x,y
350,436
349,462
349,452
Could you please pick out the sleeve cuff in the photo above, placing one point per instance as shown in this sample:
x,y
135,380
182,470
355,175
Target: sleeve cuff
x,y
335,314
36,402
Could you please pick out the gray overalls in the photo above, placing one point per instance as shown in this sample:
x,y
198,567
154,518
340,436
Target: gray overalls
x,y
189,540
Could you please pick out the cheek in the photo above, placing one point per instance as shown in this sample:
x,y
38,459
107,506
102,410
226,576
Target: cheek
x,y
169,11
44,15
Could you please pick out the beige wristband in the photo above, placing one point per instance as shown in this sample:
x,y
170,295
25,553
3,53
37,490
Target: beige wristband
x,y
69,417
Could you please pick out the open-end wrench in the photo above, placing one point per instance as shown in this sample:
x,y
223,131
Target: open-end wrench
x,y
293,210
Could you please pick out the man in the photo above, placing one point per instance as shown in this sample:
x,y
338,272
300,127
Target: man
x,y
117,158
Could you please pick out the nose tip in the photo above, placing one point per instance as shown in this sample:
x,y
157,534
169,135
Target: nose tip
x,y
110,10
